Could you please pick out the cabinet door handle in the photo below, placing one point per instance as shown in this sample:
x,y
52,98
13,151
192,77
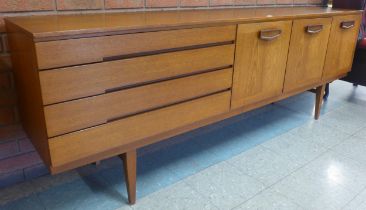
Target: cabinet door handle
x,y
314,29
348,24
269,35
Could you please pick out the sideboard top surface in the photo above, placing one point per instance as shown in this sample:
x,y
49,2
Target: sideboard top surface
x,y
53,27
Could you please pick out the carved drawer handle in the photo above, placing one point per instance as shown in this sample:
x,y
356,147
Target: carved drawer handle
x,y
348,24
314,29
269,35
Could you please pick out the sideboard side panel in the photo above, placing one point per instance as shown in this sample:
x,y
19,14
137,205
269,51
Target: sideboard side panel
x,y
28,89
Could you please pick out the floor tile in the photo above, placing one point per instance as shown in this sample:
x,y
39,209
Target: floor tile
x,y
153,174
297,149
358,203
224,186
29,203
356,98
232,141
320,133
114,177
361,207
340,170
312,191
175,197
264,165
344,120
47,182
361,133
16,192
87,193
305,103
188,157
246,134
269,200
345,91
277,121
354,148
28,188
356,109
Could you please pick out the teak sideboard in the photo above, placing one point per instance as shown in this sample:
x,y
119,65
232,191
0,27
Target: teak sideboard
x,y
94,86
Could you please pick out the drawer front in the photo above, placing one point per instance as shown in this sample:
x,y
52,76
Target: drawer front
x,y
260,61
81,81
79,114
341,47
69,52
74,146
308,47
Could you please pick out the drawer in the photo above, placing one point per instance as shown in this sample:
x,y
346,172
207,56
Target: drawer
x,y
79,114
69,52
308,47
341,47
78,145
81,81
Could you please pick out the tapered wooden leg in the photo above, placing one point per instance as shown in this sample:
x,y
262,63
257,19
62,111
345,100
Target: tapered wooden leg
x,y
129,165
319,100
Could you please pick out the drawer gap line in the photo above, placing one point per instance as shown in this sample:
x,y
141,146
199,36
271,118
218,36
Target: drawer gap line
x,y
147,53
61,37
126,87
138,113
163,51
167,105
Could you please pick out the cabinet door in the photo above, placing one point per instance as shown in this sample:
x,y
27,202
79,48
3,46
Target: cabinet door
x,y
308,47
341,46
260,61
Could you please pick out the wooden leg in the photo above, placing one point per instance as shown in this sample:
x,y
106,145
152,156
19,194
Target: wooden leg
x,y
319,100
129,165
97,163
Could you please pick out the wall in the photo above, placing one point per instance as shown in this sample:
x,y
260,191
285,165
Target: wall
x,y
18,160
